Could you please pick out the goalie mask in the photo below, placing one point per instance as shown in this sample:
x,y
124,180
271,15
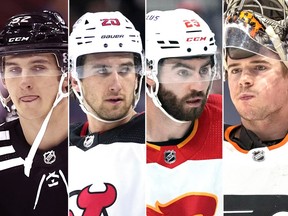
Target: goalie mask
x,y
256,27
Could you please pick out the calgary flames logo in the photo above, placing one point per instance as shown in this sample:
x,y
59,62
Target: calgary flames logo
x,y
187,205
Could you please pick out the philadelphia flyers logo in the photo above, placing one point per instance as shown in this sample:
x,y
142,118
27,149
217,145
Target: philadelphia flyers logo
x,y
189,204
95,203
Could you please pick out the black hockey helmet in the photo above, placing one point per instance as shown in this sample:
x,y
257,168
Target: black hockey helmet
x,y
36,32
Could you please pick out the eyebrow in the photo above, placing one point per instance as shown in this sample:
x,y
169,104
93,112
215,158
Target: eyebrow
x,y
36,61
179,64
128,63
252,62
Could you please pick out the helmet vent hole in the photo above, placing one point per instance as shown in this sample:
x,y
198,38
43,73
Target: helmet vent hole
x,y
205,48
189,50
120,45
105,45
160,42
86,22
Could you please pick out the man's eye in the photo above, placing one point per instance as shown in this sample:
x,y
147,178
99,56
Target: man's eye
x,y
204,71
125,69
102,70
260,67
38,69
235,71
184,73
14,70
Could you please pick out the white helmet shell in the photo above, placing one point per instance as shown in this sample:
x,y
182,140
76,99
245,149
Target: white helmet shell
x,y
103,32
176,33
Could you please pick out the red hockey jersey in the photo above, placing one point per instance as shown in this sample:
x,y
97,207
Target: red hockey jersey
x,y
185,179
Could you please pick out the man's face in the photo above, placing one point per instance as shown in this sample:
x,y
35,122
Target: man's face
x,y
32,82
184,86
109,84
258,86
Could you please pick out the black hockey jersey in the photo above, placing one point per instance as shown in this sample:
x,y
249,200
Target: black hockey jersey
x,y
44,192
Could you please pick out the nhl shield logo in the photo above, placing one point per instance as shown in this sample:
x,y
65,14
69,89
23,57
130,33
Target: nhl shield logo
x,y
49,157
170,156
258,155
88,141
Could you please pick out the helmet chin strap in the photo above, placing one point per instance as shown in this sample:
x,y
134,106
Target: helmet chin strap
x,y
4,101
153,95
84,106
29,159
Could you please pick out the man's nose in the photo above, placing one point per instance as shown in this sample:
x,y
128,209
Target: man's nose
x,y
115,82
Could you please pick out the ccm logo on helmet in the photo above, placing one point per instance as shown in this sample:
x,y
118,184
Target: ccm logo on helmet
x,y
196,39
17,39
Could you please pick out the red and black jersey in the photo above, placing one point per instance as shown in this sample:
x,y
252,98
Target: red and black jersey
x,y
44,192
107,170
185,179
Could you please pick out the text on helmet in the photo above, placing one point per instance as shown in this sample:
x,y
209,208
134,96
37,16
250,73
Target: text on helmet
x,y
108,22
196,39
112,36
17,39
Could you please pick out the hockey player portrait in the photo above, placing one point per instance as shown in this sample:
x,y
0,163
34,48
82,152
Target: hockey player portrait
x,y
255,151
34,146
184,121
107,152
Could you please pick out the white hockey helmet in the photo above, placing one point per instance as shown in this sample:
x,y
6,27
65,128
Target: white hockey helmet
x,y
103,32
172,34
176,33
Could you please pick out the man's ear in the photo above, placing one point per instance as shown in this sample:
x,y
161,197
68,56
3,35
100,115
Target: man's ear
x,y
150,82
65,84
4,83
137,82
75,84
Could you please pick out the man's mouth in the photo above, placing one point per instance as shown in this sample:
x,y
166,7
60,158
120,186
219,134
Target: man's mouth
x,y
194,102
29,98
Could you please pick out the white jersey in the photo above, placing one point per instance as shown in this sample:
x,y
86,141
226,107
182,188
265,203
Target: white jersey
x,y
106,177
255,182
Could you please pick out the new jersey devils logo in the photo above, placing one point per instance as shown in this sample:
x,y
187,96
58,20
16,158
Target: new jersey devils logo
x,y
95,203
